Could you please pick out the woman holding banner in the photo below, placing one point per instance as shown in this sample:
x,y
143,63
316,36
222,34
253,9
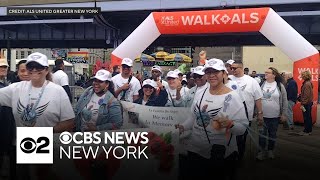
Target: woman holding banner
x,y
219,116
148,97
97,108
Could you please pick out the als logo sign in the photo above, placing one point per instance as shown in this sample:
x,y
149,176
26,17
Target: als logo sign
x,y
169,21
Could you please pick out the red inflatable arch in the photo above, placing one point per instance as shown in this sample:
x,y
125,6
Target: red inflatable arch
x,y
263,20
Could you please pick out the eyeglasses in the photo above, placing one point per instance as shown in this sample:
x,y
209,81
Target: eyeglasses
x,y
215,72
234,68
4,67
31,66
195,76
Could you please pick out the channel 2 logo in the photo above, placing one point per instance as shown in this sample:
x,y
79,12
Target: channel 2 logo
x,y
34,145
28,145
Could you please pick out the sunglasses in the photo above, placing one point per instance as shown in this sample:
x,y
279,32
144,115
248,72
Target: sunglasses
x,y
195,76
31,66
148,87
98,81
170,78
125,67
234,68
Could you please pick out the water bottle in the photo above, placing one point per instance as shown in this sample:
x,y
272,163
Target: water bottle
x,y
303,108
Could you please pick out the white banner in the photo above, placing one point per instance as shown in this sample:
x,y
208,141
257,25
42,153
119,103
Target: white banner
x,y
153,117
163,147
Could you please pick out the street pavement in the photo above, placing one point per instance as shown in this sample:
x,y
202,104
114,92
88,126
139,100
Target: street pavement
x,y
296,157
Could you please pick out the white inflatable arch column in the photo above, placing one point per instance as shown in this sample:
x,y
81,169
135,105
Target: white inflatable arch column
x,y
263,20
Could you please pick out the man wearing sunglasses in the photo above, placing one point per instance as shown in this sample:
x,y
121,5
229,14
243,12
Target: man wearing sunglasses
x,y
201,84
126,86
228,66
250,88
252,95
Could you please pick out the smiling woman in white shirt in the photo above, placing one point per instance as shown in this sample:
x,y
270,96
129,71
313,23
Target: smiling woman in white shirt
x,y
218,117
274,107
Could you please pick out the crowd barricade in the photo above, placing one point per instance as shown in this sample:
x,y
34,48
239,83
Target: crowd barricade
x,y
76,92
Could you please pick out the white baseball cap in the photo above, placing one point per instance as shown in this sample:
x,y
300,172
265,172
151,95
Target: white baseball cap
x,y
198,70
184,79
230,61
216,64
38,58
156,67
103,75
149,82
127,61
172,74
4,62
178,71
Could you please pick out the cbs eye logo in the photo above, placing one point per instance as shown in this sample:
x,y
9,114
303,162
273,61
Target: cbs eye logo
x,y
29,145
65,138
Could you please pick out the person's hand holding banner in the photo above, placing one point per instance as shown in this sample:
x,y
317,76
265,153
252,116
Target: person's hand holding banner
x,y
180,127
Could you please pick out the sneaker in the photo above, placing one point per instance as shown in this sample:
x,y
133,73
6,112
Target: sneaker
x,y
270,154
307,134
261,156
291,127
304,133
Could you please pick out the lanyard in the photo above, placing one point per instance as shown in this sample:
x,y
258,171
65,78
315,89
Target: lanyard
x,y
39,97
200,113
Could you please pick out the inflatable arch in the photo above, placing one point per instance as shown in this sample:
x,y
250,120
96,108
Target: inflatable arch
x,y
263,20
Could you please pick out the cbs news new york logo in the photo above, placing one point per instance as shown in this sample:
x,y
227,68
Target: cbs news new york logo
x,y
34,145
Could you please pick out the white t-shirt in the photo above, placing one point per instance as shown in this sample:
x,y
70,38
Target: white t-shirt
x,y
185,90
164,84
270,100
94,105
172,93
251,91
193,94
229,105
258,79
134,88
144,102
60,78
54,105
234,87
